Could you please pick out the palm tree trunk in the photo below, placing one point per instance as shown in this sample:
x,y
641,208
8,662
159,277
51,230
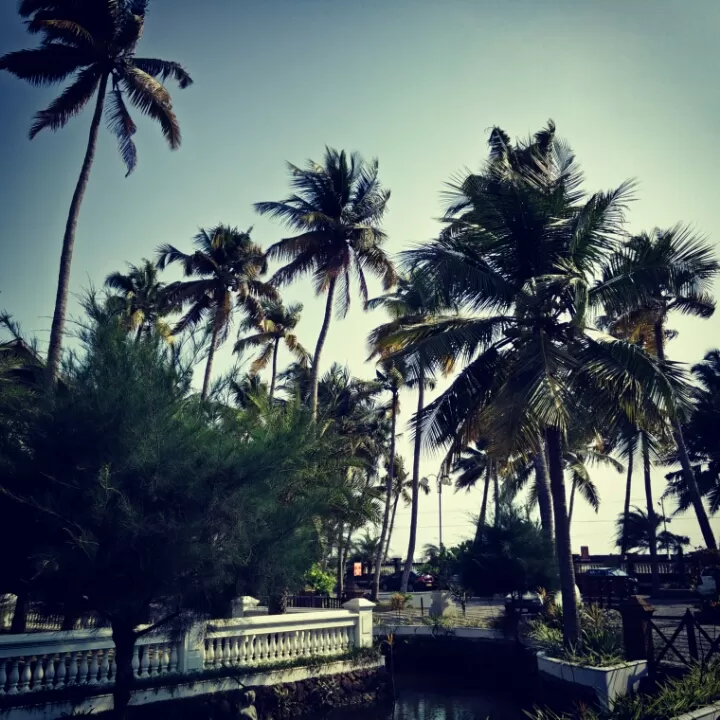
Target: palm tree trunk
x,y
315,377
543,493
571,617
392,527
415,484
341,562
626,507
209,364
58,323
572,502
123,636
483,506
688,474
388,498
496,491
274,368
652,527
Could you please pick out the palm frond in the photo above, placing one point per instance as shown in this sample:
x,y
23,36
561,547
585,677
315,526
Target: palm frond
x,y
46,65
122,126
165,69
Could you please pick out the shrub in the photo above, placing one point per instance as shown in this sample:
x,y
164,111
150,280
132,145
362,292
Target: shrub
x,y
399,600
319,580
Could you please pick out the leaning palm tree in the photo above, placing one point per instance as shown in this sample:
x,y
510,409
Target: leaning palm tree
x,y
142,298
522,247
94,41
225,269
275,325
336,209
652,276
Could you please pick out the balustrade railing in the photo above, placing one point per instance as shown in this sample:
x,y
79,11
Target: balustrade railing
x,y
38,662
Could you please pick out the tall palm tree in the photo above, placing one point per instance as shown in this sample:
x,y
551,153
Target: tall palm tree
x,y
652,276
143,298
474,464
275,324
225,269
703,443
391,381
94,42
336,209
522,247
414,302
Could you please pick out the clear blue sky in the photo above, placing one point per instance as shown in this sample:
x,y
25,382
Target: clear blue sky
x,y
632,84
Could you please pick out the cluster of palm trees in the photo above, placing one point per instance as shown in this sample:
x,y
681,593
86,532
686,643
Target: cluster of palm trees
x,y
550,319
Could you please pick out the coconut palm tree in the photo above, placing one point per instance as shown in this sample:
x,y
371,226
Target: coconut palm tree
x,y
143,299
275,324
414,302
652,276
223,271
474,464
520,252
94,44
336,209
701,436
636,532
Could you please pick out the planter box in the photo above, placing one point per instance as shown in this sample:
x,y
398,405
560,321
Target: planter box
x,y
608,683
710,712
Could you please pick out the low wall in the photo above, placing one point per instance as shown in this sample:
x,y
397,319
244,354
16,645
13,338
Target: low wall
x,y
358,682
41,670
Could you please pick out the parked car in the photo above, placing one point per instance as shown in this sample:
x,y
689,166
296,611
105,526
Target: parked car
x,y
532,602
601,581
392,583
707,587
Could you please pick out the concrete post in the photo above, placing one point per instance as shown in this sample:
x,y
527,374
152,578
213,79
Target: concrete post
x,y
637,632
192,649
364,625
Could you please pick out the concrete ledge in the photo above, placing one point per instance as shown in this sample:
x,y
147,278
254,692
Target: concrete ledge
x,y
179,691
468,633
608,683
709,712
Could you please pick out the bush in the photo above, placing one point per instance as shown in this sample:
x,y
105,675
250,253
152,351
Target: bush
x,y
399,600
319,580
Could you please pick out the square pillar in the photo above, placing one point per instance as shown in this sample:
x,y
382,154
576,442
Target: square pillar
x,y
364,623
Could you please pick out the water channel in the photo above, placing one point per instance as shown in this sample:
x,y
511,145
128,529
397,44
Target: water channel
x,y
425,698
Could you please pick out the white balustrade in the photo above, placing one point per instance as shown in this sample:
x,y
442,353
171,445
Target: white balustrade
x,y
37,662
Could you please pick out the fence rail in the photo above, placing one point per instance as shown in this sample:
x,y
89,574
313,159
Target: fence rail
x,y
37,662
682,640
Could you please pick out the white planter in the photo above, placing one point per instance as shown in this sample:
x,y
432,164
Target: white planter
x,y
608,683
710,712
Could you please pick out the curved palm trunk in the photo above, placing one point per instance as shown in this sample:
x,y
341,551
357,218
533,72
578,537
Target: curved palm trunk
x,y
496,491
391,528
572,502
483,506
543,494
626,507
274,368
315,377
209,364
652,539
415,486
388,499
571,617
58,323
688,474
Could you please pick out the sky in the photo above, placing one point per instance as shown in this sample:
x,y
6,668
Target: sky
x,y
631,84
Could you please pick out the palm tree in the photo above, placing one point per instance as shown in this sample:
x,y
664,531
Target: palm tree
x,y
143,299
701,436
414,302
653,275
94,42
276,324
474,464
636,532
519,255
225,267
391,381
337,208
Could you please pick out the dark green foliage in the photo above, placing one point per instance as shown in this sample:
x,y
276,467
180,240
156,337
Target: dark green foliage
x,y
513,555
